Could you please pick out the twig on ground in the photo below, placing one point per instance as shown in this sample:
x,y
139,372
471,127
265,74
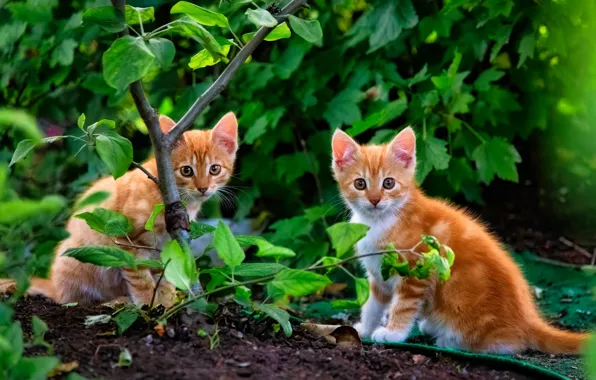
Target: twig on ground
x,y
579,249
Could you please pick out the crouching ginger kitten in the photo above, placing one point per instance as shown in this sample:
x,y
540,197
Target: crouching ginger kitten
x,y
486,305
203,161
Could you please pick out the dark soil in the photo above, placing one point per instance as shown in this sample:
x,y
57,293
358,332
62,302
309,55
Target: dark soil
x,y
248,348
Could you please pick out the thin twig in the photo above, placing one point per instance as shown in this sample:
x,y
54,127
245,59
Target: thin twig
x,y
141,168
579,249
157,284
201,103
593,261
133,246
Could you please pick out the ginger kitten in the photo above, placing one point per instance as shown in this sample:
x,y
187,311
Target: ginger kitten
x,y
486,305
203,162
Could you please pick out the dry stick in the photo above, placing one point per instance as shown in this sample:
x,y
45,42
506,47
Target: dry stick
x,y
141,168
180,306
177,222
571,244
163,272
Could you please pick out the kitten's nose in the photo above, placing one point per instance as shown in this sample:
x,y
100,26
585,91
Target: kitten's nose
x,y
203,190
374,201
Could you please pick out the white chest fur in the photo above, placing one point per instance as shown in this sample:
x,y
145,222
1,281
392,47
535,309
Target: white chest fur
x,y
374,241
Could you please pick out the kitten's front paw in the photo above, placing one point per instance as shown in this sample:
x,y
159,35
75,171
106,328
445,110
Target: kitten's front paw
x,y
384,335
362,332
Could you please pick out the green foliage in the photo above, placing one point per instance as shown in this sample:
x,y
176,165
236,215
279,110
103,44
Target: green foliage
x,y
299,282
181,269
590,356
102,255
125,318
345,235
157,209
227,247
107,222
281,316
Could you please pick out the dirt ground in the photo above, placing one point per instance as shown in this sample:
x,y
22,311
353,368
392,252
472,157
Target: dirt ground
x,y
248,348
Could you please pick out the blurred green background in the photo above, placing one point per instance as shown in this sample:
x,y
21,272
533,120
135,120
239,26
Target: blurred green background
x,y
489,87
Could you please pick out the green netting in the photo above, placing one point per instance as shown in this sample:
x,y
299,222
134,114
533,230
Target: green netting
x,y
565,296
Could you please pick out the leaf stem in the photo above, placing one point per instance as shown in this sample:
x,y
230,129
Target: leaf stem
x,y
141,23
236,37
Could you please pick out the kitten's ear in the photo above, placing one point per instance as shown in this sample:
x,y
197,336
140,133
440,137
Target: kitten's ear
x,y
166,124
225,133
344,149
403,148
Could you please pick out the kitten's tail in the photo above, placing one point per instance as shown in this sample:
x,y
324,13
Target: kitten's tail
x,y
39,286
549,339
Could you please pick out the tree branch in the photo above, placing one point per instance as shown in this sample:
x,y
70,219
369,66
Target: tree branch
x,y
141,168
222,81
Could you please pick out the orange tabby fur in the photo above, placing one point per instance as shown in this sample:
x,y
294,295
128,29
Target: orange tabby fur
x,y
486,305
135,195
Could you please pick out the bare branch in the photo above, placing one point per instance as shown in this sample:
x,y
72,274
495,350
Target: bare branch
x,y
141,168
222,81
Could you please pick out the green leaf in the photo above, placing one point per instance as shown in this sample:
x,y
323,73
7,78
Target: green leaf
x,y
432,153
345,235
22,121
181,269
20,210
25,146
107,17
362,291
392,265
299,283
199,229
460,103
343,108
496,157
204,58
157,209
261,17
484,80
34,368
136,15
310,30
105,256
258,269
188,27
154,264
39,327
526,48
107,222
108,123
63,54
125,318
377,119
276,252
388,19
227,247
92,199
115,151
125,358
439,264
281,316
279,32
6,313
126,61
201,15
11,345
163,50
22,151
81,122
449,255
319,212
32,11
431,241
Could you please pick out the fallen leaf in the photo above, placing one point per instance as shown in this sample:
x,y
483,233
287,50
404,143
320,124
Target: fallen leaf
x,y
92,320
341,336
71,304
419,359
107,333
63,368
160,329
125,358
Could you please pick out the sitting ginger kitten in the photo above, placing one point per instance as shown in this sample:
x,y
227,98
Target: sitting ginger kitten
x,y
486,305
203,162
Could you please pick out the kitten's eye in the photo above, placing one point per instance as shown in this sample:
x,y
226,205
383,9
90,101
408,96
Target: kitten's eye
x,y
186,171
215,169
389,183
360,184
